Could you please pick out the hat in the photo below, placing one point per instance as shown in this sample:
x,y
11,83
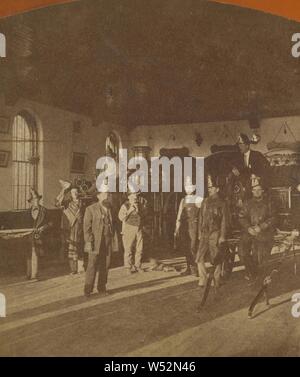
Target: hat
x,y
103,187
65,184
34,195
132,190
243,139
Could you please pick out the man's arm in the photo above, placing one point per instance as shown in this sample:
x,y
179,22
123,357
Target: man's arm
x,y
61,200
224,223
87,230
46,223
244,217
179,214
263,168
124,213
271,220
200,218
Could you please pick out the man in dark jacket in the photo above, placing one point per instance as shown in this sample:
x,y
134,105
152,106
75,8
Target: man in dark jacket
x,y
257,218
213,226
39,217
98,228
250,163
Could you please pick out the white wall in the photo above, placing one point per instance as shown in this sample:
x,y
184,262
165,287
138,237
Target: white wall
x,y
56,132
55,149
162,136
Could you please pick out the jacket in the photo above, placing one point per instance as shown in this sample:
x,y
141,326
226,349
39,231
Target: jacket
x,y
93,227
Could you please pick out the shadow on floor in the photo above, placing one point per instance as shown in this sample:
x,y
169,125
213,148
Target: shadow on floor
x,y
61,304
127,324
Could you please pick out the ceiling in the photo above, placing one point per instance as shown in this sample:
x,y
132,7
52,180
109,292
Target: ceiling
x,y
153,62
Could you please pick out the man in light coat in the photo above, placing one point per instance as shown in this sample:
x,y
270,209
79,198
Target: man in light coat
x,y
132,214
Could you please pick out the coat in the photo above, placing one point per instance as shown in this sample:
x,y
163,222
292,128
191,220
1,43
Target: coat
x,y
259,212
93,228
258,165
40,225
213,223
140,216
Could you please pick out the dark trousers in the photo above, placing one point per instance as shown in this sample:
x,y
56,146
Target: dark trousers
x,y
210,250
190,251
97,263
188,245
254,253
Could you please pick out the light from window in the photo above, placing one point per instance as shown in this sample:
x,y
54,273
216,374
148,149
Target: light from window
x,y
24,158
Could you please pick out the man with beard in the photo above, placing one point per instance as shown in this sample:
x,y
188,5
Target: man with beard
x,y
98,227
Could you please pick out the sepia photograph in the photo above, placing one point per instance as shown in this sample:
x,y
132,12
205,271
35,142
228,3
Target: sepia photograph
x,y
149,182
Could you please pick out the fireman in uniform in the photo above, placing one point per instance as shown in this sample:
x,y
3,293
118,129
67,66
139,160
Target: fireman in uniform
x,y
212,229
258,219
187,227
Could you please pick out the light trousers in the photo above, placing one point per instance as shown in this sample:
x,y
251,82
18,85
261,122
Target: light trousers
x,y
133,243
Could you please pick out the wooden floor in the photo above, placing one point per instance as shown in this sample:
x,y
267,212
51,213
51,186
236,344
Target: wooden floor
x,y
150,314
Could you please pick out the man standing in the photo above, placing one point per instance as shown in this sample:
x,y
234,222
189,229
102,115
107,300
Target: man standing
x,y
213,226
39,216
187,227
133,214
68,199
257,218
98,227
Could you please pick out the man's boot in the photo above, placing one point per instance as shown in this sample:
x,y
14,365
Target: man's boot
x,y
73,266
80,266
186,272
194,271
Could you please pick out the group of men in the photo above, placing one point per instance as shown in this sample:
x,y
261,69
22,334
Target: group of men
x,y
91,230
204,229
202,226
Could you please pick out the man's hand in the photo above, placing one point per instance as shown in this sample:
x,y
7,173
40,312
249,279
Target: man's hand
x,y
221,240
239,203
132,207
257,229
235,172
252,231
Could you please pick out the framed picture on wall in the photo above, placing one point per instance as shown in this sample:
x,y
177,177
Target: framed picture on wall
x,y
4,157
4,125
78,163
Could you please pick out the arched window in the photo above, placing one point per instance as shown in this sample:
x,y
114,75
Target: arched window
x,y
25,158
